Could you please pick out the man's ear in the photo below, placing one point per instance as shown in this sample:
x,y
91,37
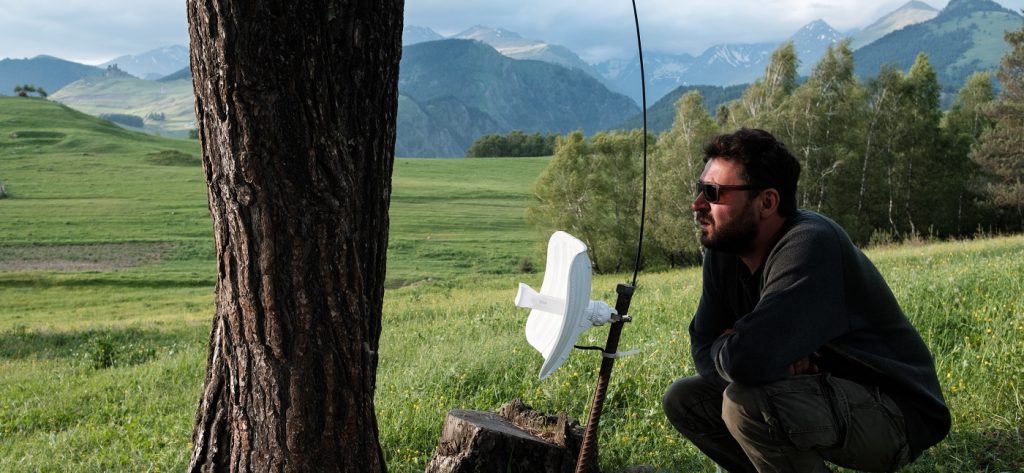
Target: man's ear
x,y
769,201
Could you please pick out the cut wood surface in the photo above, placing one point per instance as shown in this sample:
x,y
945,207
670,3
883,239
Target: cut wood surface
x,y
515,439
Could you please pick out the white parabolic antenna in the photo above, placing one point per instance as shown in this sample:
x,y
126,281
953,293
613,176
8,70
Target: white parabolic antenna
x,y
562,310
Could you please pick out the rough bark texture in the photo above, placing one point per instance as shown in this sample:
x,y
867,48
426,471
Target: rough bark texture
x,y
296,105
515,439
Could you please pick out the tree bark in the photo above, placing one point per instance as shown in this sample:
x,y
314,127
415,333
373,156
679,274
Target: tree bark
x,y
296,105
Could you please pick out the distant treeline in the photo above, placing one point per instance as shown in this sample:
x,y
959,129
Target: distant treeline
x,y
123,119
880,157
514,144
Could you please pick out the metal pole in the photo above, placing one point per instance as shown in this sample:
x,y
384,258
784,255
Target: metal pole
x,y
587,449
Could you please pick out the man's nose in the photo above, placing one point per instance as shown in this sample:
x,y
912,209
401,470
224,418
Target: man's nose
x,y
699,203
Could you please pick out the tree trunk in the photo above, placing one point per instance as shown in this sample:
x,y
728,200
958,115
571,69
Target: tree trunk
x,y
296,105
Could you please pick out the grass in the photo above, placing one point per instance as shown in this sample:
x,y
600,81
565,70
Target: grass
x,y
106,296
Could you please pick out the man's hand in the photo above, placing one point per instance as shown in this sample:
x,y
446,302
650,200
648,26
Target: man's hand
x,y
803,366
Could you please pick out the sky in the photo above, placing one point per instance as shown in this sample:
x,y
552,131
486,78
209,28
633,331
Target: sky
x,y
95,31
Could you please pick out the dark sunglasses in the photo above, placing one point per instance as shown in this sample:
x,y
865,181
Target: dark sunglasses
x,y
713,192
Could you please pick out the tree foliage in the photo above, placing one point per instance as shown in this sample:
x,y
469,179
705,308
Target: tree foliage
x,y
591,189
513,144
676,164
761,101
819,123
25,89
1000,150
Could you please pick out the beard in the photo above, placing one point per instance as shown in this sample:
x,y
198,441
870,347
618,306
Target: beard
x,y
735,236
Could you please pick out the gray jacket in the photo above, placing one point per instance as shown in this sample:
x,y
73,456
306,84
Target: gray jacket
x,y
816,295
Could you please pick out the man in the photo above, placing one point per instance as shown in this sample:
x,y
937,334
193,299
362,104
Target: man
x,y
803,354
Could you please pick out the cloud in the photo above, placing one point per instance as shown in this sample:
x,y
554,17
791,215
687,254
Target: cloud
x,y
89,31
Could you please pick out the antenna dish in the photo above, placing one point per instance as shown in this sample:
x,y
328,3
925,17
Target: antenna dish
x,y
562,310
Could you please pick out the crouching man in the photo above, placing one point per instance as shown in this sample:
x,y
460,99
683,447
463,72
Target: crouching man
x,y
803,354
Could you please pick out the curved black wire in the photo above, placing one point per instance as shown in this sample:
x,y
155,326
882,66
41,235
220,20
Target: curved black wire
x,y
643,96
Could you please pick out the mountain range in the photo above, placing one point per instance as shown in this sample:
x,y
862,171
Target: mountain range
x,y
723,64
486,80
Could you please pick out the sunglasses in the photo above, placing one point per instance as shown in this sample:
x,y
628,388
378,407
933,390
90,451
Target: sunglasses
x,y
713,192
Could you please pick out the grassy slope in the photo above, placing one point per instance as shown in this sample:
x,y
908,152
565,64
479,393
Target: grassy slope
x,y
132,96
100,369
988,46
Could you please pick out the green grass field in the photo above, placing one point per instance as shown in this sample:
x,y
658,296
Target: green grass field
x,y
106,297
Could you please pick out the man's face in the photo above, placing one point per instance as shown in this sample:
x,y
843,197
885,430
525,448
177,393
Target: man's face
x,y
730,224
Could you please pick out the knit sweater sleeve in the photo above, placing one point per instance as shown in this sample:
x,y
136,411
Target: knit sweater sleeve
x,y
710,320
801,308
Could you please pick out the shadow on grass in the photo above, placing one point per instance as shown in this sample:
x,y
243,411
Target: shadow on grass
x,y
99,348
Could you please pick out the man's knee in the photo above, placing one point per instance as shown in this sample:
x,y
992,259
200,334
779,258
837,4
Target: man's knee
x,y
692,405
798,410
742,405
677,398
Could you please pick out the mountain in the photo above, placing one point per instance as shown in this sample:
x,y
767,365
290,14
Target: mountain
x,y
47,72
965,37
810,43
412,34
729,64
721,65
910,13
440,127
511,44
183,73
152,64
664,72
661,115
165,107
472,78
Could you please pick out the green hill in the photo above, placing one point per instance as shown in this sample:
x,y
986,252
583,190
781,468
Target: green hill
x,y
966,36
166,107
47,72
73,179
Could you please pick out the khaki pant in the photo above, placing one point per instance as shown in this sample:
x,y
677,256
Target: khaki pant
x,y
793,425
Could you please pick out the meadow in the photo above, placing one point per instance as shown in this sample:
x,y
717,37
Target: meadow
x,y
106,298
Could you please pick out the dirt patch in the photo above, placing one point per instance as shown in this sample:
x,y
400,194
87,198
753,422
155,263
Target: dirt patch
x,y
80,257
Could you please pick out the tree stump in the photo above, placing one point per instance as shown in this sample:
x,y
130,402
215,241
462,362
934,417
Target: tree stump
x,y
514,439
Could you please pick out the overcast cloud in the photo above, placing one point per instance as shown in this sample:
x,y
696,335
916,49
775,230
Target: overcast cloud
x,y
95,31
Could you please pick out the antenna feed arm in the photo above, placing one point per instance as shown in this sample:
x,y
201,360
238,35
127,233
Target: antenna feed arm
x,y
600,313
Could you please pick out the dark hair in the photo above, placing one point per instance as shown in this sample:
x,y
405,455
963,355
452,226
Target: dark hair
x,y
766,162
